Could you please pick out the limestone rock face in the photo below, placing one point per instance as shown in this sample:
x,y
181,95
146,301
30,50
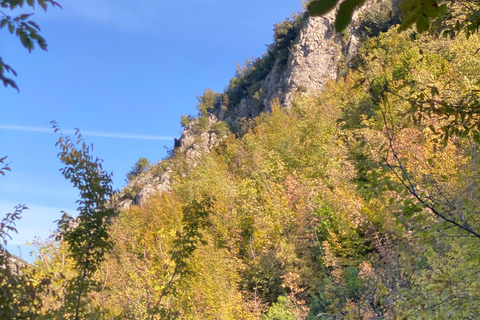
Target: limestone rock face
x,y
14,263
195,142
192,144
313,61
148,184
152,184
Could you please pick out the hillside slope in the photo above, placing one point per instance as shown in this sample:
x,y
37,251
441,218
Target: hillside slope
x,y
319,185
306,53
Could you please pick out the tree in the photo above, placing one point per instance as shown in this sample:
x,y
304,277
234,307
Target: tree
x,y
24,28
87,235
142,165
207,101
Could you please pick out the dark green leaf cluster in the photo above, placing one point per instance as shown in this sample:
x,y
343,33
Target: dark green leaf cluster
x,y
448,17
344,14
141,166
25,29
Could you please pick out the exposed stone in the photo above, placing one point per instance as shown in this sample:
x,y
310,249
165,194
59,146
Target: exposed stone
x,y
15,263
313,61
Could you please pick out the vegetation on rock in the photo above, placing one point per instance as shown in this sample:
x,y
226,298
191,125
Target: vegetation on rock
x,y
358,202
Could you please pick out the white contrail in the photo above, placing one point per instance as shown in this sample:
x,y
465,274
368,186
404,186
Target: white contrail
x,y
90,133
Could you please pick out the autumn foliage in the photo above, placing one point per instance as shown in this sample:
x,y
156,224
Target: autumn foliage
x,y
355,203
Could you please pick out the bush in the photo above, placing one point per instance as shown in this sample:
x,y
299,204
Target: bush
x,y
203,123
281,310
185,120
284,34
132,191
142,165
220,128
208,101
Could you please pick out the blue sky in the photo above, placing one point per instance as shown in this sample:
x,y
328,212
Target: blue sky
x,y
123,72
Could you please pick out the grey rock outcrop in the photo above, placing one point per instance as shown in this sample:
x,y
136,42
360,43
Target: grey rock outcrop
x,y
313,60
15,264
146,185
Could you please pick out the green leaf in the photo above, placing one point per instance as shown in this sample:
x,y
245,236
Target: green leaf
x,y
36,26
430,8
319,8
422,23
25,16
409,5
42,44
409,19
345,13
476,136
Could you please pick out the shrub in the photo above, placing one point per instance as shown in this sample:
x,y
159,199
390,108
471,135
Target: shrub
x,y
131,191
281,310
142,165
284,34
221,128
185,120
203,123
208,101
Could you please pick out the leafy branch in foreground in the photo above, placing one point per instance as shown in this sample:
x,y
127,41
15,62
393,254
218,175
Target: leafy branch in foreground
x,y
449,17
195,219
25,29
434,206
5,166
87,235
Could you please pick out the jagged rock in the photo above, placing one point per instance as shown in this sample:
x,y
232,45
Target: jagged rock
x,y
149,184
14,263
313,61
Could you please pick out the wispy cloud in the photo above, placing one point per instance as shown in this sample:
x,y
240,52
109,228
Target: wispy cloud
x,y
128,14
90,133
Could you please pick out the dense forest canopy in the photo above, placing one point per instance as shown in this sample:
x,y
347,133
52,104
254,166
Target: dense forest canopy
x,y
358,202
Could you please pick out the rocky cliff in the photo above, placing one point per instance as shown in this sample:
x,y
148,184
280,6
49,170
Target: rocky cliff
x,y
318,54
15,264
